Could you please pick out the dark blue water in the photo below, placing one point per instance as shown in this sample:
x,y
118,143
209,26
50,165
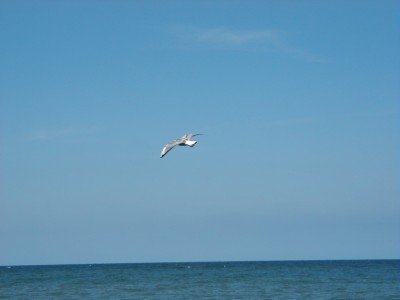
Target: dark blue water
x,y
362,279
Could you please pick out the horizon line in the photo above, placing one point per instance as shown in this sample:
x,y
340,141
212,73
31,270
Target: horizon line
x,y
200,261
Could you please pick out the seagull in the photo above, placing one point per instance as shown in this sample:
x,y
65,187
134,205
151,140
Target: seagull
x,y
183,141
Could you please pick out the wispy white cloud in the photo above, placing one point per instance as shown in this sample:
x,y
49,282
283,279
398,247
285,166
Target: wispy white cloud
x,y
238,37
60,133
264,40
296,121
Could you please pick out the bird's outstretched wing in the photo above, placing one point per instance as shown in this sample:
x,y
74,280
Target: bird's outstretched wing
x,y
168,147
190,135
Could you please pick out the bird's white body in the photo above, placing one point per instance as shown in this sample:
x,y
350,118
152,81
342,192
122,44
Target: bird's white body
x,y
183,141
190,143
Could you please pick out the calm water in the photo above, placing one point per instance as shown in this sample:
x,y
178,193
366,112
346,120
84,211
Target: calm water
x,y
367,279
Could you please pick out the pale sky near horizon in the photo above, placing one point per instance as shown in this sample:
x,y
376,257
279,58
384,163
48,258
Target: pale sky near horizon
x,y
298,101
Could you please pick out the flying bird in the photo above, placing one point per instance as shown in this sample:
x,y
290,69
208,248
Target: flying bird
x,y
183,141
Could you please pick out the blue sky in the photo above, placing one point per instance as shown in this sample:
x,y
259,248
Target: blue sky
x,y
298,100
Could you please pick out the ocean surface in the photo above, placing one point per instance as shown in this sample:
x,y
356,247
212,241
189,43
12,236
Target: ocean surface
x,y
358,279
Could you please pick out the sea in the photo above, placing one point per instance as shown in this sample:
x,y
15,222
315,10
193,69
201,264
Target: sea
x,y
336,279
